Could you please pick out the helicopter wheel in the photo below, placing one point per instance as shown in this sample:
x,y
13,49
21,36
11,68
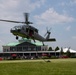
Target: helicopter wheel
x,y
16,37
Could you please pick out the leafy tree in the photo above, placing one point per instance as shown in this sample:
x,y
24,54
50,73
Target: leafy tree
x,y
68,53
57,48
61,52
50,49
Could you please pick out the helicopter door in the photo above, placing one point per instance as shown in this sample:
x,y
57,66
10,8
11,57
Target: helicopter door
x,y
31,32
27,30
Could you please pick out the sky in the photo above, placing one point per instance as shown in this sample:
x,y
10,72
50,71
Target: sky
x,y
59,15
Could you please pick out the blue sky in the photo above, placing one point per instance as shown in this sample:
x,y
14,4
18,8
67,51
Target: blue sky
x,y
60,15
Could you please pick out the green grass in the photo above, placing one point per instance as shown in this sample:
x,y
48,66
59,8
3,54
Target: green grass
x,y
38,67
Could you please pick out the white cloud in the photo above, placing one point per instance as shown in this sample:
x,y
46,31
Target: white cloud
x,y
62,4
67,3
20,5
50,16
28,5
74,37
73,2
11,8
68,28
9,4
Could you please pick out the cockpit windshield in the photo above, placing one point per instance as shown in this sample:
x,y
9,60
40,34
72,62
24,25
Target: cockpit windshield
x,y
16,27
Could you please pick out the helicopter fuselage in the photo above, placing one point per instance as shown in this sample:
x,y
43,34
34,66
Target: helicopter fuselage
x,y
27,32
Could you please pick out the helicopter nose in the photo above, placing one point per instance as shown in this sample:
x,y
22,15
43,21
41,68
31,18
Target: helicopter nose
x,y
12,30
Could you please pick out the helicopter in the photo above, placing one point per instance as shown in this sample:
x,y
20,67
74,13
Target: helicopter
x,y
28,31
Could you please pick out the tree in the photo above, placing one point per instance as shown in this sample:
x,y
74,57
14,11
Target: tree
x,y
68,53
50,48
61,52
57,48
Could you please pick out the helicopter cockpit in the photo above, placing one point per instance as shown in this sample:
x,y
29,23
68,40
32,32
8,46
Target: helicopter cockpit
x,y
16,28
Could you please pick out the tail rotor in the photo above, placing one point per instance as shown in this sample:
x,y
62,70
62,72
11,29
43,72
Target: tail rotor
x,y
48,31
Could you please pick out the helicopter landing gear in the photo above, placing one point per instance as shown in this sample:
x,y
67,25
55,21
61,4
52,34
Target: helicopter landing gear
x,y
16,37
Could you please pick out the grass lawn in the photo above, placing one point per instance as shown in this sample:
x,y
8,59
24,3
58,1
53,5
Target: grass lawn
x,y
38,67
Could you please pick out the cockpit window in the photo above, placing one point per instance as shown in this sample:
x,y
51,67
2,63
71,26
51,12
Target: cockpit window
x,y
36,30
18,27
13,28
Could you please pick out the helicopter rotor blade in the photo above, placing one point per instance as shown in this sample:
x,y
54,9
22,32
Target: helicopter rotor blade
x,y
26,20
11,21
48,31
45,34
26,16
